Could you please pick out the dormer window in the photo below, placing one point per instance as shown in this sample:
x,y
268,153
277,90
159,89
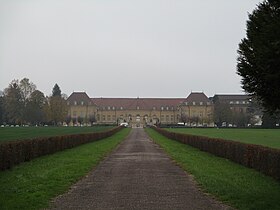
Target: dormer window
x,y
109,108
82,103
113,108
162,108
137,107
121,108
154,108
193,103
200,103
186,103
167,108
75,103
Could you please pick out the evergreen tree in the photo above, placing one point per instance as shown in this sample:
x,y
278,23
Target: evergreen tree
x,y
259,55
56,91
58,109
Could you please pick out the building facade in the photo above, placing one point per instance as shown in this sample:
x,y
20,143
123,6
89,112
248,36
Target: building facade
x,y
194,110
243,109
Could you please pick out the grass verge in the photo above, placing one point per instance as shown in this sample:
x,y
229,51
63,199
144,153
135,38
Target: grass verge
x,y
264,137
33,184
233,184
18,133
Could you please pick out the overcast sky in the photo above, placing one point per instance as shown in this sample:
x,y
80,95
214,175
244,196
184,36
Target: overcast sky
x,y
123,48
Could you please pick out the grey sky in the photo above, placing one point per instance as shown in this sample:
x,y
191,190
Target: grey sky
x,y
123,48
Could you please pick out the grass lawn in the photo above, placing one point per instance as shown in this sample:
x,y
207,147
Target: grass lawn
x,y
265,137
31,185
17,133
234,184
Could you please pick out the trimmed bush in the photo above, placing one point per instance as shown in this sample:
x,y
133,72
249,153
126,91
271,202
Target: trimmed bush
x,y
15,152
263,159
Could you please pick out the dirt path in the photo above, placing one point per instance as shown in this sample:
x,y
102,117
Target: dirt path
x,y
137,175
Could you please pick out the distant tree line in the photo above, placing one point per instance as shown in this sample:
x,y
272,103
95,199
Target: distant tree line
x,y
22,104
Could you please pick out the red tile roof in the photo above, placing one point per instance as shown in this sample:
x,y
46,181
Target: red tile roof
x,y
233,97
138,103
197,97
78,97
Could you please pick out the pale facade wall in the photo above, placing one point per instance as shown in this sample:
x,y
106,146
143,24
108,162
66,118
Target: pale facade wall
x,y
197,114
137,116
85,111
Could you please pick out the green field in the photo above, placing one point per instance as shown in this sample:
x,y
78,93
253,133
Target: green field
x,y
236,185
31,185
19,133
265,137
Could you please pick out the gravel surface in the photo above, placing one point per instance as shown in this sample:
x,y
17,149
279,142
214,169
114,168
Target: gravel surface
x,y
137,175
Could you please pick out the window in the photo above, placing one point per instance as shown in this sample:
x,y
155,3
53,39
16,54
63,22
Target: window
x,y
167,108
108,117
231,102
237,102
162,117
244,102
114,117
109,108
113,108
154,108
137,107
103,117
193,103
74,113
208,103
121,108
172,118
186,103
200,103
82,103
75,103
162,108
98,117
167,118
68,103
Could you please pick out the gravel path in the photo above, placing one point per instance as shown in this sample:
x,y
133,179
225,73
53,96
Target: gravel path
x,y
137,175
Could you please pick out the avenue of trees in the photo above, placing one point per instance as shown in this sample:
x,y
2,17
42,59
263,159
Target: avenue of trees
x,y
22,104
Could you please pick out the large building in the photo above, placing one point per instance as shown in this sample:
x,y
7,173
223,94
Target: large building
x,y
196,109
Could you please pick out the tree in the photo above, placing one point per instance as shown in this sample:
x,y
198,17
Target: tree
x,y
34,110
92,119
259,55
56,91
58,109
184,118
2,109
26,89
14,103
222,113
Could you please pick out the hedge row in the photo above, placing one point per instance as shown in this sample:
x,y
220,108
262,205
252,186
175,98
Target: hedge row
x,y
263,159
15,152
